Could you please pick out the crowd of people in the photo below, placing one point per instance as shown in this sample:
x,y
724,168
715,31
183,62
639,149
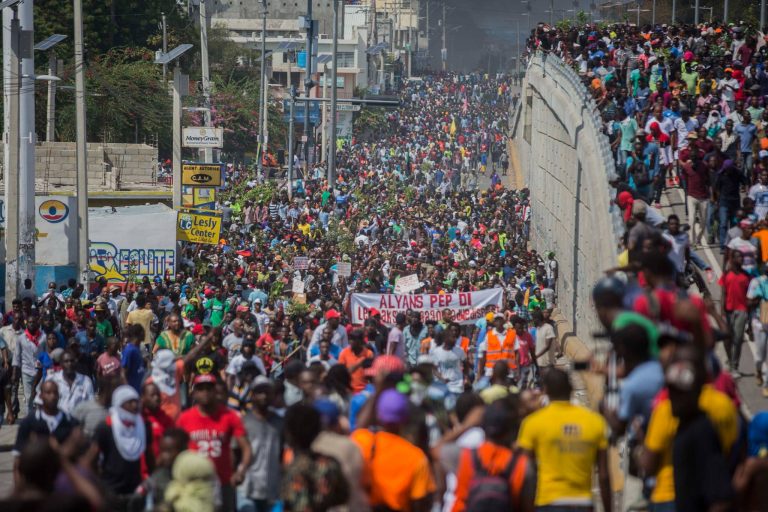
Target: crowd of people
x,y
223,388
247,382
684,108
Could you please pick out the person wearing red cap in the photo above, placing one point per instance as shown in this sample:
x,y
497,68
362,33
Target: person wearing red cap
x,y
211,427
338,333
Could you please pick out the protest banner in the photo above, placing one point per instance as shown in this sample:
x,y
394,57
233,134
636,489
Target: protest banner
x,y
467,307
298,286
300,263
344,269
407,284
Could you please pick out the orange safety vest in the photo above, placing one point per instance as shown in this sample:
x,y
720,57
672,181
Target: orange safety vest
x,y
500,351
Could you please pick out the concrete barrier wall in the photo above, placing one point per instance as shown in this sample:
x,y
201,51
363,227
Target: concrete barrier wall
x,y
566,162
110,166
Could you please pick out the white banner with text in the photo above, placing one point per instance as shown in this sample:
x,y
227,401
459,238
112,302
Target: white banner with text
x,y
467,307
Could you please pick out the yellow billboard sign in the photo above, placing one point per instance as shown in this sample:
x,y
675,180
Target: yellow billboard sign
x,y
198,229
196,197
201,175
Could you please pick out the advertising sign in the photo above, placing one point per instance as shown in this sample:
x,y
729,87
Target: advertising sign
x,y
199,229
202,137
297,286
467,306
199,198
201,175
131,242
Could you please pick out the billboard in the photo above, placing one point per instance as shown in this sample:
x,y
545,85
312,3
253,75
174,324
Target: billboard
x,y
131,242
199,229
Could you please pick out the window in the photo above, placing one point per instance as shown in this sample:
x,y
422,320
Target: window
x,y
346,59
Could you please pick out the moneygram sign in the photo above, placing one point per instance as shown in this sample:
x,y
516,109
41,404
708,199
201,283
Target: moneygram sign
x,y
202,137
199,229
201,175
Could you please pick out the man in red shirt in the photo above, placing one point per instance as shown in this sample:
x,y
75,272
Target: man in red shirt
x,y
735,283
211,427
353,358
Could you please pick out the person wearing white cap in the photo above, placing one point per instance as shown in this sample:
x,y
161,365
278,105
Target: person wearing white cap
x,y
121,441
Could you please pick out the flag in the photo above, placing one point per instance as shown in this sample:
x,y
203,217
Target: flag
x,y
453,126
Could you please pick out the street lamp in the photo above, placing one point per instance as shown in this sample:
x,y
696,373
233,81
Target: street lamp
x,y
43,46
165,59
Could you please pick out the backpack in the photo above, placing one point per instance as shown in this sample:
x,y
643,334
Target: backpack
x,y
491,493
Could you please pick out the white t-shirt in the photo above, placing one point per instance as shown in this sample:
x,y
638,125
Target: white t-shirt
x,y
759,194
396,338
543,333
450,367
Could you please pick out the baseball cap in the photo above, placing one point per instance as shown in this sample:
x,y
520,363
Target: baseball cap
x,y
374,312
628,318
261,381
332,313
392,407
205,378
763,154
257,301
385,364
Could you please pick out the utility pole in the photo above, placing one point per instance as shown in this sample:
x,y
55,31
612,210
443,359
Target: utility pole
x,y
206,72
551,12
696,13
674,11
444,49
653,13
324,132
334,95
725,11
82,155
762,15
27,139
290,142
308,83
264,89
12,82
176,146
165,46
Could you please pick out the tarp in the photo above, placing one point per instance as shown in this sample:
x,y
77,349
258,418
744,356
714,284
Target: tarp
x,y
467,307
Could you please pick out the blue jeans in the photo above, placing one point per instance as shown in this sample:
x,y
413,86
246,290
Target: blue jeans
x,y
724,213
666,506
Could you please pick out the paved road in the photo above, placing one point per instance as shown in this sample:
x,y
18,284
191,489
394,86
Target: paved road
x,y
752,397
7,438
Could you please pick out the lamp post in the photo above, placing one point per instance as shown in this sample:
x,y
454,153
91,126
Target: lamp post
x,y
178,92
50,117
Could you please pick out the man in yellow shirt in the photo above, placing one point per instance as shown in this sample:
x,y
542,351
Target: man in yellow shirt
x,y
567,441
656,458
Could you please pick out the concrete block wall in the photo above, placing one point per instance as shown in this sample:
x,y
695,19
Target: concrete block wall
x,y
567,163
56,162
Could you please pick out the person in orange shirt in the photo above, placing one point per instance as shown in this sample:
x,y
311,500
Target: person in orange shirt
x,y
462,341
493,460
353,357
396,473
429,341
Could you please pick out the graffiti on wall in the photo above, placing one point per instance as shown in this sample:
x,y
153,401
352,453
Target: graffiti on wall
x,y
123,264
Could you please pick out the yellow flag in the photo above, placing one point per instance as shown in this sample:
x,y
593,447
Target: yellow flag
x,y
453,127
